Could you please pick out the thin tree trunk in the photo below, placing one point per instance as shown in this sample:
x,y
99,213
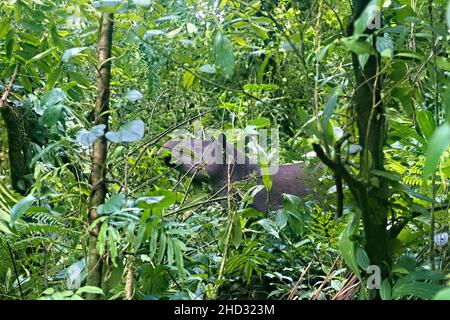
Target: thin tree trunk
x,y
373,199
99,151
17,139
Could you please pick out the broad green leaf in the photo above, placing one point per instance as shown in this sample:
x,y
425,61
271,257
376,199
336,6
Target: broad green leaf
x,y
366,17
191,28
52,115
207,68
385,46
114,203
170,251
386,290
440,141
87,138
188,79
223,52
358,46
236,234
261,122
20,207
162,247
418,289
41,55
444,294
4,26
72,52
347,246
426,123
134,95
53,97
143,3
362,258
443,63
448,15
330,107
89,289
132,131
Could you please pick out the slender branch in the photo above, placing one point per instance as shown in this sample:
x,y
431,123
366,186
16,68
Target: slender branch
x,y
15,269
9,86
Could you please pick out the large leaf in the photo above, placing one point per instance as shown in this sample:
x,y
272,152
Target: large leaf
x,y
134,95
443,294
87,138
20,208
72,52
426,123
347,246
132,131
223,52
440,141
366,18
53,97
113,204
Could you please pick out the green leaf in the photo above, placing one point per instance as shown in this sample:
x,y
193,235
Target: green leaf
x,y
418,289
426,123
132,131
330,107
113,204
87,138
365,18
207,68
323,52
178,253
52,115
443,295
162,247
448,15
358,46
170,253
386,290
72,52
20,207
261,122
188,79
134,95
153,243
53,97
236,235
4,26
41,55
347,246
223,53
89,289
143,3
385,46
443,63
362,258
440,141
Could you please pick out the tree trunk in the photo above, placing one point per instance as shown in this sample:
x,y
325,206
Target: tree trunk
x,y
17,148
99,151
373,199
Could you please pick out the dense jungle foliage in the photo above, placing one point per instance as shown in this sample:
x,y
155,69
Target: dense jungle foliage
x,y
90,91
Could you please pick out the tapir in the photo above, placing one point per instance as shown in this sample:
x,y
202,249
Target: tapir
x,y
215,161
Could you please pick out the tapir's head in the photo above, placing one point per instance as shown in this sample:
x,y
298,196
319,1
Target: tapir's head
x,y
207,159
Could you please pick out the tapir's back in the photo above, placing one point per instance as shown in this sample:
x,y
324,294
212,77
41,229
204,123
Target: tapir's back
x,y
288,179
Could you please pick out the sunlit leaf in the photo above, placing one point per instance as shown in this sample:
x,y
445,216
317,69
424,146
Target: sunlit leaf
x,y
132,131
440,141
72,52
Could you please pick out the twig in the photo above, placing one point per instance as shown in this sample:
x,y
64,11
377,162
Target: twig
x,y
9,86
15,270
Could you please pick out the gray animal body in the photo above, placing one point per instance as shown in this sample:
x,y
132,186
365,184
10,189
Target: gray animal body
x,y
213,161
